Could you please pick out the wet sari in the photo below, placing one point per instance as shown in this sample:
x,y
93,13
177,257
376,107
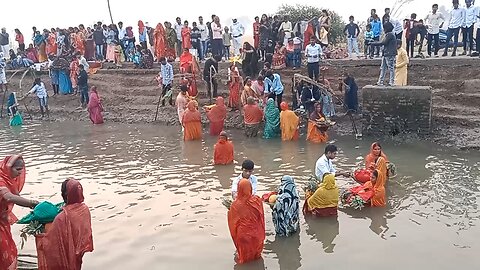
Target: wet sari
x,y
159,41
95,107
324,202
246,93
272,120
234,86
285,212
246,221
181,103
192,123
314,134
288,123
69,237
8,258
217,115
223,152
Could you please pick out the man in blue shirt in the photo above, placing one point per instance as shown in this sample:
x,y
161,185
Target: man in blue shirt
x,y
166,72
377,32
273,86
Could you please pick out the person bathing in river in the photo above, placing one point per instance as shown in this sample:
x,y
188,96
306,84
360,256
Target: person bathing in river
x,y
373,191
317,131
12,179
248,92
246,221
63,245
223,150
247,173
192,123
181,102
95,107
272,120
217,114
324,164
375,153
324,201
285,211
252,117
288,123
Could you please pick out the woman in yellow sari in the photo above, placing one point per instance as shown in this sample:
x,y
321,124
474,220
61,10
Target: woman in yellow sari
x,y
288,123
314,133
324,202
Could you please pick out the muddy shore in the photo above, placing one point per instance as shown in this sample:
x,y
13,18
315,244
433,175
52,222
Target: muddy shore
x,y
131,96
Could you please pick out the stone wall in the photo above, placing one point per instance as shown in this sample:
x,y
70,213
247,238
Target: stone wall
x,y
395,110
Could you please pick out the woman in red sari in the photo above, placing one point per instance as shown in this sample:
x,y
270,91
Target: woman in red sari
x,y
234,86
192,123
159,41
189,65
309,32
70,236
80,42
279,57
186,34
12,179
216,115
95,107
246,222
51,44
31,53
256,33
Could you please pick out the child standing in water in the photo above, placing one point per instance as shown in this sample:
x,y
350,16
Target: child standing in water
x,y
247,173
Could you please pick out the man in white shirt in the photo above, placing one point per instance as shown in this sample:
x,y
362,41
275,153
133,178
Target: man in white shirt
x,y
457,19
41,92
468,26
203,38
313,53
287,28
434,21
247,173
122,32
237,30
178,30
324,164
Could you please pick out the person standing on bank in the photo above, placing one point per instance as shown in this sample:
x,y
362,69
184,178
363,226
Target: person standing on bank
x,y
209,71
471,13
166,72
434,22
274,87
457,18
324,164
237,31
178,30
389,44
401,65
41,92
313,52
4,42
352,31
83,86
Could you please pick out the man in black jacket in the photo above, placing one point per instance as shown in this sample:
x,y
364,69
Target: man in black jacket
x,y
209,71
83,86
389,44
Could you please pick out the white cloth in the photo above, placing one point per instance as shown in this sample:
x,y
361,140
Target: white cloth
x,y
313,53
203,31
397,26
286,26
39,90
433,22
82,61
253,180
237,29
323,166
457,18
6,51
237,44
217,31
470,16
122,33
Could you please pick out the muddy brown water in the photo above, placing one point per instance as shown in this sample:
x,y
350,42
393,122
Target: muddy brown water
x,y
156,201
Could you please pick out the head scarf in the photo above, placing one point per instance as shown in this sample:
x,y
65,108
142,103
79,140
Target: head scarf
x,y
285,213
218,113
272,120
371,157
284,106
246,222
192,114
326,195
9,184
74,192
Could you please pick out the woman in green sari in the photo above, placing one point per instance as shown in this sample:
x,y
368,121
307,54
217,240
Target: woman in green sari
x,y
272,120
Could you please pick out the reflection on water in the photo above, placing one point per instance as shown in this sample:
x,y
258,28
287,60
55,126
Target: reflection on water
x,y
156,201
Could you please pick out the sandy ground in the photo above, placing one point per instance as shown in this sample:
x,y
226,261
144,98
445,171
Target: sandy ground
x,y
130,96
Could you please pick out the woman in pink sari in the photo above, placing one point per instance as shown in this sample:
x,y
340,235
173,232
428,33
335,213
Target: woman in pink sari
x,y
95,107
69,237
12,179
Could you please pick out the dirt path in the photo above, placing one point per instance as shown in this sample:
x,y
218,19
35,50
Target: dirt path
x,y
130,96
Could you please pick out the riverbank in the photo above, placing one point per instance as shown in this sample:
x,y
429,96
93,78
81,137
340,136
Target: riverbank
x,y
130,96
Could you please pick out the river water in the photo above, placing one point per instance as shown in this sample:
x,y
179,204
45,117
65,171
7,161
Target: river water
x,y
156,201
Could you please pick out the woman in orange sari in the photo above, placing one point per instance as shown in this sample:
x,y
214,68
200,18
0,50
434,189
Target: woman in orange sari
x,y
223,150
159,41
256,33
375,152
315,134
51,46
381,167
234,86
246,222
80,42
372,192
12,179
288,123
216,115
192,123
186,34
70,235
189,65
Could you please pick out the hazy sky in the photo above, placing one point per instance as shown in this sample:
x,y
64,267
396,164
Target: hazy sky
x,y
56,12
